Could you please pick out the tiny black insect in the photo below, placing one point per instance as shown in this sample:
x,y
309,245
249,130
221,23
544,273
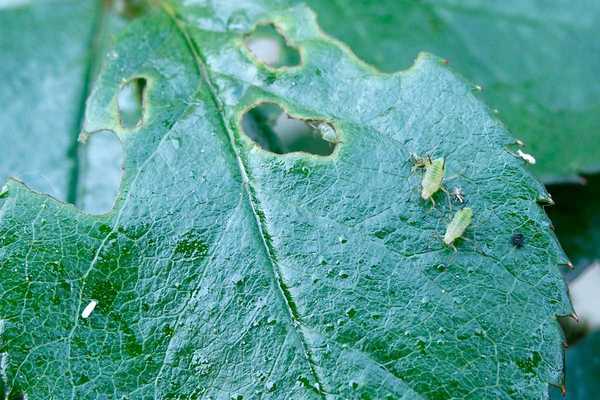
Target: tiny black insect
x,y
518,240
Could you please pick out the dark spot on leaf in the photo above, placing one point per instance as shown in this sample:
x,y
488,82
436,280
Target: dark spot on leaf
x,y
81,379
130,102
191,246
168,330
530,364
270,47
274,130
518,240
304,381
104,292
270,77
421,346
104,229
382,233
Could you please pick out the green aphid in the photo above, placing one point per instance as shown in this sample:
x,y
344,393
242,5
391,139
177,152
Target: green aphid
x,y
432,179
456,227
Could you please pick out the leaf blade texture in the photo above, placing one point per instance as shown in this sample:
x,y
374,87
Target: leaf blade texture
x,y
228,271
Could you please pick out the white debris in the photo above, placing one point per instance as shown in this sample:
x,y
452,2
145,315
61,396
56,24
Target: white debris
x,y
525,156
328,133
87,311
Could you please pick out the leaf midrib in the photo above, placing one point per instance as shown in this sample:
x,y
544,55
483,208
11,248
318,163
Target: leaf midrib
x,y
295,319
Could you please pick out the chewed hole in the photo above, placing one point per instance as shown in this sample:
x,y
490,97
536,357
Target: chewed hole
x,y
101,173
270,47
274,130
131,102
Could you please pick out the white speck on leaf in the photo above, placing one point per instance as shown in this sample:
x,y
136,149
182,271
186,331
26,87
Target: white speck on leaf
x,y
87,311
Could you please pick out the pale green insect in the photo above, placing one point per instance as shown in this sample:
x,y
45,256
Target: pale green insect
x,y
456,227
432,179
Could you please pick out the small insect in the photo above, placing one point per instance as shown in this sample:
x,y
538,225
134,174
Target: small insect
x,y
456,227
87,311
518,240
328,133
458,195
432,179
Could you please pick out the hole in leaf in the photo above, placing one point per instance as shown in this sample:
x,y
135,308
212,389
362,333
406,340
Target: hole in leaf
x,y
274,130
270,47
131,103
101,172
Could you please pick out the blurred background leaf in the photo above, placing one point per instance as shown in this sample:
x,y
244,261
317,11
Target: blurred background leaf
x,y
576,218
50,53
47,57
582,370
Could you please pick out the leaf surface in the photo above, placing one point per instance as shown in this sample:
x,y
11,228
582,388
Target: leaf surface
x,y
537,62
227,271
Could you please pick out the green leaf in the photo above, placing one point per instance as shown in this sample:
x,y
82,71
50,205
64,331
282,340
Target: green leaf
x,y
45,64
537,62
227,271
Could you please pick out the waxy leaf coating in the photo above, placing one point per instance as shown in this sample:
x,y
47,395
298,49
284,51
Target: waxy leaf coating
x,y
225,271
